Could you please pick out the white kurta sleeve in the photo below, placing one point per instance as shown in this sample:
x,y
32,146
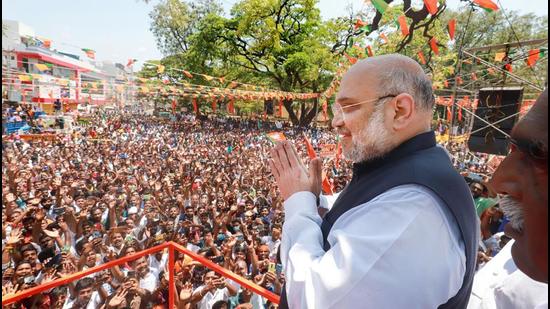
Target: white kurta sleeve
x,y
398,251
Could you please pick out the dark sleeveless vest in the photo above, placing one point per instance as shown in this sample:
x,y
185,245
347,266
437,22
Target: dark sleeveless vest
x,y
417,161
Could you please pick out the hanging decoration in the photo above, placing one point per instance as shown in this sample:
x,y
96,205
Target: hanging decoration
x,y
431,5
433,45
90,53
452,27
421,57
402,22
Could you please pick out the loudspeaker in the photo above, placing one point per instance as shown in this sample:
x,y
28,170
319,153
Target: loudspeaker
x,y
495,104
268,107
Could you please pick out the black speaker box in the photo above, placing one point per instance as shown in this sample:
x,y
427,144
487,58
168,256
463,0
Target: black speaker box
x,y
494,105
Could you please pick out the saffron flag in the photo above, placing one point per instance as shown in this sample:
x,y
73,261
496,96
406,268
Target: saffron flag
x,y
160,69
421,57
534,56
174,104
369,51
195,107
275,137
281,108
508,67
24,78
446,83
352,60
460,105
499,57
327,187
189,75
231,106
433,45
338,152
131,62
452,28
89,52
488,5
384,38
431,5
41,67
402,21
449,114
380,5
360,24
474,76
310,151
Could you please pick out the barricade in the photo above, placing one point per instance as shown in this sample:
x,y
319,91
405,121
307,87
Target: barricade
x,y
172,247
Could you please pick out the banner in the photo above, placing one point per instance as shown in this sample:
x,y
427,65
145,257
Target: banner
x,y
328,150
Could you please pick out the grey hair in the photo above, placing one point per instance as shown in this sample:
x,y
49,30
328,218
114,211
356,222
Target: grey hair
x,y
400,80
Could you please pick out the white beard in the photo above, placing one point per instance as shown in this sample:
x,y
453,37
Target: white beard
x,y
373,141
512,209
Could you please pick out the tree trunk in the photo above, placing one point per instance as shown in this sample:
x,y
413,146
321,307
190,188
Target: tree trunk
x,y
288,105
307,117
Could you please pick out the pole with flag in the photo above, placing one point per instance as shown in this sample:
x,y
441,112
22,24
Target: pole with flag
x,y
338,152
327,187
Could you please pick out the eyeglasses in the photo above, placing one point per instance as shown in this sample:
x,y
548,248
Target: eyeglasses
x,y
338,110
535,150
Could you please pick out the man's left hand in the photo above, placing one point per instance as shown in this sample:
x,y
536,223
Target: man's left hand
x,y
290,173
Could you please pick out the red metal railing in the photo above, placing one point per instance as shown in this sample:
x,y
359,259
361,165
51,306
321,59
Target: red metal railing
x,y
171,263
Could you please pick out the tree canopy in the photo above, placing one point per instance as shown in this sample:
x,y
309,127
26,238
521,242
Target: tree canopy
x,y
286,45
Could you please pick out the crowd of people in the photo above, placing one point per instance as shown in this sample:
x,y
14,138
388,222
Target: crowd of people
x,y
129,182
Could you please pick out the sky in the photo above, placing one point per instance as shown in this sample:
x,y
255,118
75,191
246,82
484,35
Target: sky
x,y
119,29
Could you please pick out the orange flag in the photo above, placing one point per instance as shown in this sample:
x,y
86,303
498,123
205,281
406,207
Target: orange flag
x,y
338,154
421,57
433,45
534,56
431,5
352,60
325,110
195,107
360,24
452,27
231,106
402,20
384,38
369,51
488,5
327,187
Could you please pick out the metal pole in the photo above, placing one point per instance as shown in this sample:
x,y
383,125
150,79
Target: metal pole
x,y
457,73
171,281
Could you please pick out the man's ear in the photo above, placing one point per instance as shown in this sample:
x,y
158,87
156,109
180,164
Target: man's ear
x,y
403,108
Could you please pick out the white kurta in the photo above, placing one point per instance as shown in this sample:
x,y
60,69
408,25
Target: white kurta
x,y
501,285
400,250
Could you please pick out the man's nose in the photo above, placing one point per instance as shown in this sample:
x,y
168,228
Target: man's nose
x,y
337,121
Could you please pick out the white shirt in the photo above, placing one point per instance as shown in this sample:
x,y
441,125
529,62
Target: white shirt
x,y
400,250
93,303
211,298
501,285
273,246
